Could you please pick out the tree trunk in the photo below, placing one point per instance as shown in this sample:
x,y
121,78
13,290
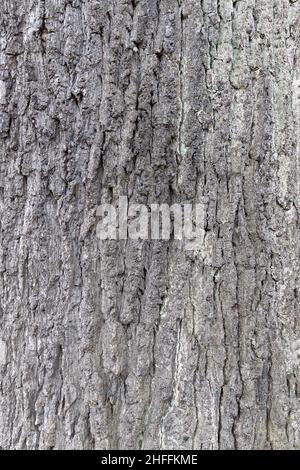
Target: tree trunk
x,y
141,343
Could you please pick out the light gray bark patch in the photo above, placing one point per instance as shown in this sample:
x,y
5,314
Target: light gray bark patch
x,y
3,351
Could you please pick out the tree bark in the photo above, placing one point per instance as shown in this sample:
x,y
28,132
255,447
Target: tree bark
x,y
142,344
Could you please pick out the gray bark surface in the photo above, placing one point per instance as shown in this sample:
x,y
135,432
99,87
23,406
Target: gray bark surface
x,y
141,344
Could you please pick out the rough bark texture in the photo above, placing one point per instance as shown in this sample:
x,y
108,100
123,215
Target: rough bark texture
x,y
142,344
